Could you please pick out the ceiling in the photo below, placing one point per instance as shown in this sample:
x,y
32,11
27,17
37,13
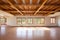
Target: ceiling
x,y
30,7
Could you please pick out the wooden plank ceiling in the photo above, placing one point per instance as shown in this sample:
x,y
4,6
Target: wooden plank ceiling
x,y
30,7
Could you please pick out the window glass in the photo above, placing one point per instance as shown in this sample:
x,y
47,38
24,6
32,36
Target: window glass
x,y
2,20
53,20
19,21
23,21
42,21
29,20
39,20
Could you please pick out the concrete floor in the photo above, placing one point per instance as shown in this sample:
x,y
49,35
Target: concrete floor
x,y
29,33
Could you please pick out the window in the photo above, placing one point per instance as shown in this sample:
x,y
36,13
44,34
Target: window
x,y
53,20
39,20
19,21
42,20
29,21
2,20
23,20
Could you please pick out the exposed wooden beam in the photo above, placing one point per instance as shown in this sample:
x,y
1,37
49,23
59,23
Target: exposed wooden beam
x,y
46,7
54,1
38,1
14,7
34,11
23,1
30,1
54,11
16,1
40,7
29,5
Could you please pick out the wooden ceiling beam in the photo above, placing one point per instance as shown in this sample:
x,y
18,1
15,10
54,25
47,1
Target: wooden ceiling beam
x,y
14,7
30,5
38,1
54,11
54,1
30,1
16,1
23,1
33,11
40,7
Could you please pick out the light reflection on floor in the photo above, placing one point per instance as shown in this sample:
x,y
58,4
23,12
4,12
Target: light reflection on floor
x,y
22,32
53,33
3,30
29,33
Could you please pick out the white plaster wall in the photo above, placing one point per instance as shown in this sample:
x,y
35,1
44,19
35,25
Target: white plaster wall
x,y
58,20
57,14
11,21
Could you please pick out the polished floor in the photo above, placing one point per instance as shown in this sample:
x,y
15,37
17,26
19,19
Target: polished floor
x,y
29,33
